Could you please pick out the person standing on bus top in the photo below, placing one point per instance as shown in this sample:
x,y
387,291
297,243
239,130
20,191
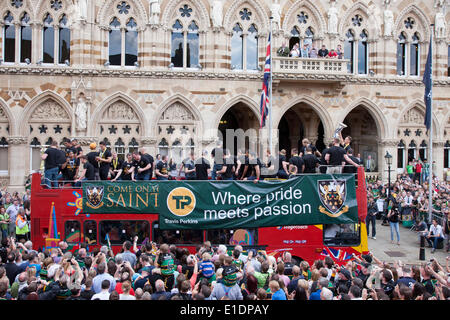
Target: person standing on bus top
x,y
115,166
85,172
150,159
21,225
347,168
104,159
241,165
254,168
296,164
188,165
142,166
217,155
305,144
126,171
283,172
162,170
68,147
92,158
227,171
77,148
336,158
51,167
310,161
70,167
202,167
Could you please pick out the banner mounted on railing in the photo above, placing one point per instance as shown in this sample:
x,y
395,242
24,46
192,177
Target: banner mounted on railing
x,y
305,200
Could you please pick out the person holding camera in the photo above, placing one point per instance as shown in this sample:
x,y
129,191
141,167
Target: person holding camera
x,y
394,219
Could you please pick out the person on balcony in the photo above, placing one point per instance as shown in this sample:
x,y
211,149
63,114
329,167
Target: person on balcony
x,y
323,53
283,51
340,52
295,52
332,54
305,51
313,52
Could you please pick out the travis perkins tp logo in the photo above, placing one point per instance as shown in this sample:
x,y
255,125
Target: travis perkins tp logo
x,y
181,201
332,194
95,196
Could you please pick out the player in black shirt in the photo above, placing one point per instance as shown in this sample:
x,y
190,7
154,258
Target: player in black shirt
x,y
217,154
86,171
348,168
70,167
296,164
51,167
310,161
226,173
345,143
268,168
254,168
162,169
115,165
323,163
92,158
150,159
306,143
241,165
336,158
202,167
77,148
104,160
126,171
142,166
283,171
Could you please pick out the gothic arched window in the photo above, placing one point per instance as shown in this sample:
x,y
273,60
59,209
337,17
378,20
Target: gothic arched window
x,y
237,48
25,38
9,38
48,43
64,41
115,43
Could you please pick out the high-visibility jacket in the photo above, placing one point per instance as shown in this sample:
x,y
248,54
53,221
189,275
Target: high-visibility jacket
x,y
21,225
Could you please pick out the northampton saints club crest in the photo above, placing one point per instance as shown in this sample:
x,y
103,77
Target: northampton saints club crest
x,y
94,196
332,194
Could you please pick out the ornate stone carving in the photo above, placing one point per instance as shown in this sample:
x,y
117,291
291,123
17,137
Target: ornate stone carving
x,y
148,141
332,18
388,143
17,140
155,11
177,112
413,116
388,19
85,141
50,110
120,111
81,113
3,115
217,14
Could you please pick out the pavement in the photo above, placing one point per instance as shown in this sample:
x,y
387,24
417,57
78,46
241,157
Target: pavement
x,y
409,249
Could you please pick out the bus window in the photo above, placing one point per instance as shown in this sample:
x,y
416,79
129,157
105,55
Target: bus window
x,y
90,232
123,230
341,234
243,237
176,236
72,231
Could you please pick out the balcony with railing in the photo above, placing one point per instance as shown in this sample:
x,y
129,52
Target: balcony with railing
x,y
310,67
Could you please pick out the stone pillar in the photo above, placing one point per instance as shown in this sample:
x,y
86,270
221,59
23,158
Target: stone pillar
x,y
387,145
18,152
390,56
438,158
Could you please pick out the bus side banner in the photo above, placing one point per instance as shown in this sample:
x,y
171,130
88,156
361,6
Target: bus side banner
x,y
304,200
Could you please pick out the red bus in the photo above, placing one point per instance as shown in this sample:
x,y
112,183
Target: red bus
x,y
305,242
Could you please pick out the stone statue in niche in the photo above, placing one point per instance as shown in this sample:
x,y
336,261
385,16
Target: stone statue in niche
x,y
275,10
82,9
388,19
439,20
81,113
332,18
217,13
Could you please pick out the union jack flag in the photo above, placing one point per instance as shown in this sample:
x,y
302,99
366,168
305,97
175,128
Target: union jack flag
x,y
264,106
337,255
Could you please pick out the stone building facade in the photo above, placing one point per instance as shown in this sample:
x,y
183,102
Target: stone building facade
x,y
167,75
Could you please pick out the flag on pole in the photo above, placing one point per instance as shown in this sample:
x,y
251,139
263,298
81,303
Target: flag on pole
x,y
264,106
428,82
108,240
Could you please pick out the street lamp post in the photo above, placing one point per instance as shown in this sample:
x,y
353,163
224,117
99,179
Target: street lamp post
x,y
388,158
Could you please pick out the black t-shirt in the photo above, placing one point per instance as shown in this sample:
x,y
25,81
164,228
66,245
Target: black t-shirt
x,y
105,155
252,167
336,155
77,150
69,149
229,171
116,164
52,159
281,159
91,158
71,169
126,167
322,157
310,161
90,173
149,158
142,163
244,162
298,162
189,165
162,167
349,168
323,52
201,168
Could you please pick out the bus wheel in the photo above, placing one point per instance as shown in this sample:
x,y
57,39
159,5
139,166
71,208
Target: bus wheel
x,y
296,260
